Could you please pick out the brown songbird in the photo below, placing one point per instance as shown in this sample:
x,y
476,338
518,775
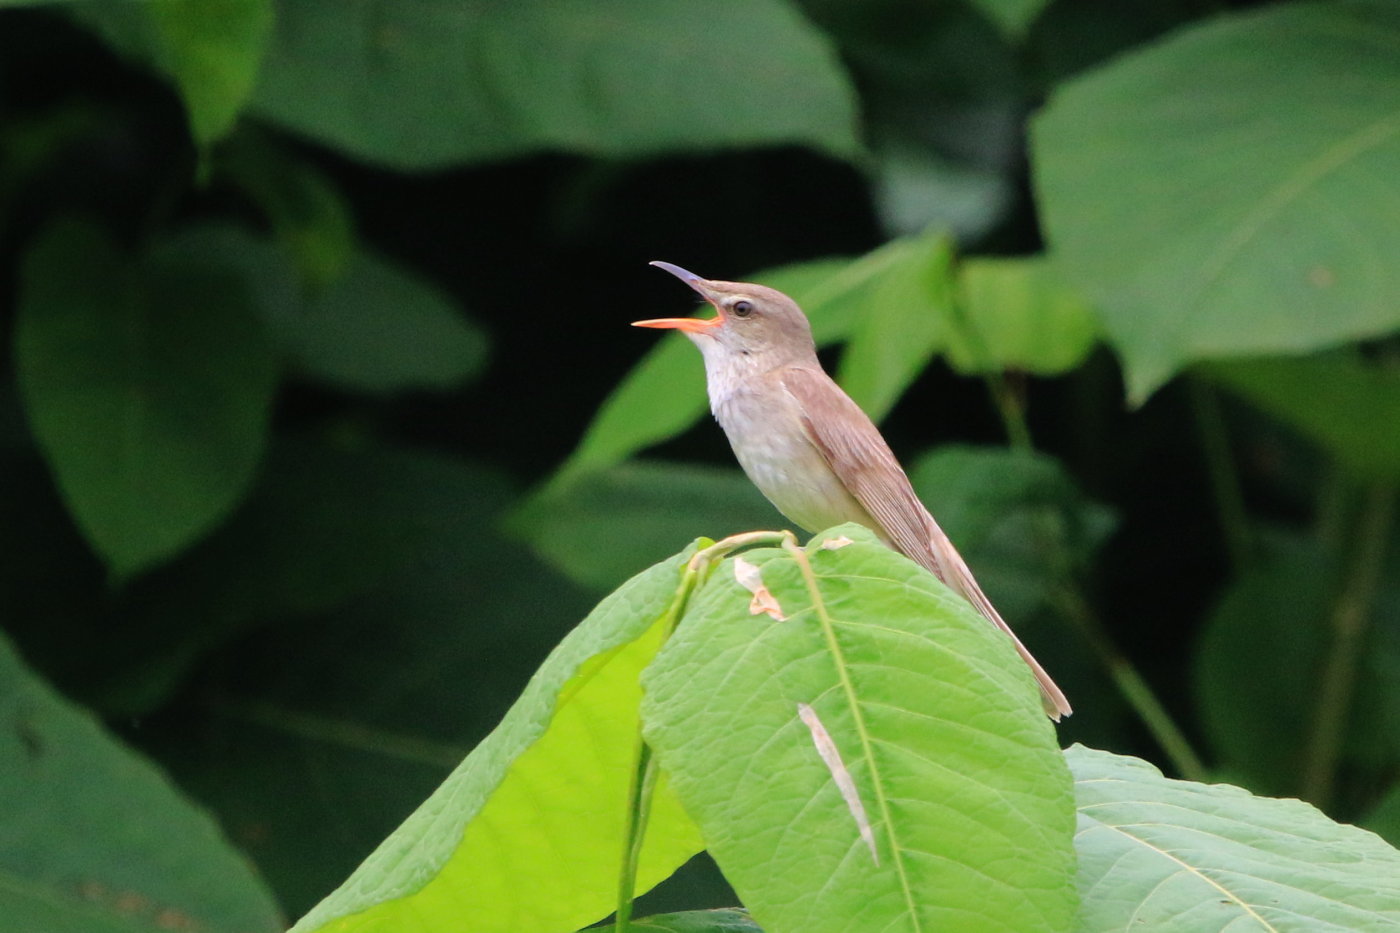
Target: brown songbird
x,y
807,446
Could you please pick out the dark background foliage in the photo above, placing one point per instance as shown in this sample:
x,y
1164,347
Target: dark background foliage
x,y
292,358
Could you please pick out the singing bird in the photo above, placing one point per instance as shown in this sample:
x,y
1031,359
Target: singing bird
x,y
807,446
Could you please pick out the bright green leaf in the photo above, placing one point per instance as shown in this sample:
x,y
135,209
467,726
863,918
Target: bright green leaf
x,y
212,48
1019,314
1349,408
527,833
97,840
1009,513
640,509
148,387
437,82
380,328
1156,854
906,322
1260,659
1229,191
935,719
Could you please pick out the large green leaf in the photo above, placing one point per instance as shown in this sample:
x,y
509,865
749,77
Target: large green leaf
x,y
527,834
212,49
95,839
906,322
639,509
1349,408
428,83
148,386
1019,314
1228,191
1261,657
936,722
1157,854
724,920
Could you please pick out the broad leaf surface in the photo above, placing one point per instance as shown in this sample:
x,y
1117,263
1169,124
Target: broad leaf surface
x,y
723,920
527,833
640,509
1228,191
907,317
1347,407
380,328
1157,854
97,840
430,83
148,386
936,720
1019,314
212,49
1261,657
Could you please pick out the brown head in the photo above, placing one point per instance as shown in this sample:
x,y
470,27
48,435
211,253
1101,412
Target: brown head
x,y
754,326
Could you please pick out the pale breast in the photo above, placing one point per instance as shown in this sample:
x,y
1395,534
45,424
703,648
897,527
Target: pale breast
x,y
766,432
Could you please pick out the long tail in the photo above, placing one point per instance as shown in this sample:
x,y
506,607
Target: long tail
x,y
953,570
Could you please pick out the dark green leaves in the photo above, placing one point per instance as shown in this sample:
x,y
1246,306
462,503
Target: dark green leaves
x,y
435,82
97,840
936,722
1175,855
148,386
1227,192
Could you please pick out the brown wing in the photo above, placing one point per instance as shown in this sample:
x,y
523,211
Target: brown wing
x,y
858,454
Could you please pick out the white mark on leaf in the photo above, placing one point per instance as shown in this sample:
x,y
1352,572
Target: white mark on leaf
x,y
832,544
831,756
751,579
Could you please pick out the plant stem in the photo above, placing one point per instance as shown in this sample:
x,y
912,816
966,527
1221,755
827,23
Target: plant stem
x,y
1224,475
1349,619
644,770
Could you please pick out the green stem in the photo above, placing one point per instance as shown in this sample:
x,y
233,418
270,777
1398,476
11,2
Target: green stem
x,y
1224,475
1349,619
644,770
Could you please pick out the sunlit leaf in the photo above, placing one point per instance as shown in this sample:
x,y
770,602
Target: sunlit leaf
x,y
1227,191
527,834
148,386
1019,314
437,82
933,713
97,840
1197,858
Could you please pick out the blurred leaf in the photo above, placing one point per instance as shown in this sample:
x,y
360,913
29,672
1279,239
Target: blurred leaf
x,y
440,82
957,767
148,387
1226,191
323,527
305,208
379,328
1350,409
1384,820
96,839
1012,17
532,821
906,318
723,920
1023,317
212,49
1008,512
918,189
1261,656
1159,854
602,527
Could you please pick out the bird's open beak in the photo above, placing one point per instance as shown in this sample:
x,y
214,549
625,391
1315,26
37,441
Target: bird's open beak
x,y
694,325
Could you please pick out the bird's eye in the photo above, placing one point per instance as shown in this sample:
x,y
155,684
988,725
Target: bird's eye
x,y
742,308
